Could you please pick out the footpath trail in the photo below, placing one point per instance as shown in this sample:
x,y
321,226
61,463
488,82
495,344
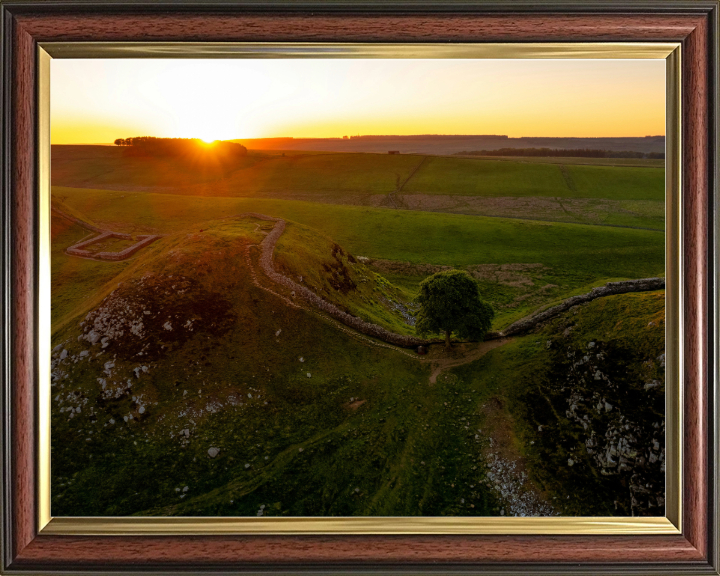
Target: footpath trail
x,y
473,353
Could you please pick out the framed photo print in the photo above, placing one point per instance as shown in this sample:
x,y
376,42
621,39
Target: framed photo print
x,y
359,288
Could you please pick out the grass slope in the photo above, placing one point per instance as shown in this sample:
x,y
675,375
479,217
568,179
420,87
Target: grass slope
x,y
416,237
573,257
338,174
73,280
462,176
306,420
247,176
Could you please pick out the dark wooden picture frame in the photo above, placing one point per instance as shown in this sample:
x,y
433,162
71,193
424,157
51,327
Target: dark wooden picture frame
x,y
694,24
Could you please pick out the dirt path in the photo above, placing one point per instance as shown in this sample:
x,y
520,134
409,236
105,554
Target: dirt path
x,y
475,353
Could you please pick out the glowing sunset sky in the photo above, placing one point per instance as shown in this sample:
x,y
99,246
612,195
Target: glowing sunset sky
x,y
97,101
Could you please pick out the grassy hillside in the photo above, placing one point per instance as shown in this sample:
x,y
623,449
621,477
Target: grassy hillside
x,y
73,279
182,387
317,262
338,174
430,238
542,262
247,176
204,395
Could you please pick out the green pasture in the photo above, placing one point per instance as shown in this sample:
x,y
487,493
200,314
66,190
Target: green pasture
x,y
312,422
638,162
417,237
346,173
483,177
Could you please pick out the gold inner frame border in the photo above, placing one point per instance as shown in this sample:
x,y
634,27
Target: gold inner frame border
x,y
98,526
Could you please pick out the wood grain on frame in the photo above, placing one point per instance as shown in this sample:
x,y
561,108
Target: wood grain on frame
x,y
23,292
30,552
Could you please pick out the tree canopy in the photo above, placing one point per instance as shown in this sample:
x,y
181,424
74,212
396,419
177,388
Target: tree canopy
x,y
151,146
450,302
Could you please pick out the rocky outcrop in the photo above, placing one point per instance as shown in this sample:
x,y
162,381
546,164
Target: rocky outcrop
x,y
598,414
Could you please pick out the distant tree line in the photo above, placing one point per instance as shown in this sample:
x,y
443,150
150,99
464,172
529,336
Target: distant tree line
x,y
563,153
151,146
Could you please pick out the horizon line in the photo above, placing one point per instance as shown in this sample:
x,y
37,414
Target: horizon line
x,y
355,137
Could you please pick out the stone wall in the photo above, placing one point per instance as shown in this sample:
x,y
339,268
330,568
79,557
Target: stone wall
x,y
610,289
267,248
130,250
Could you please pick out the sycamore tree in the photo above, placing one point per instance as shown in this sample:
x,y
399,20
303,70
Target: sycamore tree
x,y
450,302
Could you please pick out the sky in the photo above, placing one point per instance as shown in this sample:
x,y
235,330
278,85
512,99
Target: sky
x,y
99,100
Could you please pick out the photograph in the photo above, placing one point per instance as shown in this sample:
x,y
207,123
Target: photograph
x,y
356,287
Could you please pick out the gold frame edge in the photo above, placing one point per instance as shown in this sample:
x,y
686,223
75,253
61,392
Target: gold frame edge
x,y
44,296
671,524
576,50
167,526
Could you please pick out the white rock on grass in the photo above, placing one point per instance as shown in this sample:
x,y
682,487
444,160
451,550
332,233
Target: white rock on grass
x,y
63,354
212,452
309,375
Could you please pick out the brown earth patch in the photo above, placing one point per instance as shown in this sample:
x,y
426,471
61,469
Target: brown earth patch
x,y
515,275
355,405
405,268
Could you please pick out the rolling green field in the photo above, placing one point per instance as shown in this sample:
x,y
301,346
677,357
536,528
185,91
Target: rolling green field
x,y
211,394
574,257
614,194
417,237
461,176
638,162
296,433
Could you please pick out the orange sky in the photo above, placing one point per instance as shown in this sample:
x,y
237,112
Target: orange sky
x,y
97,101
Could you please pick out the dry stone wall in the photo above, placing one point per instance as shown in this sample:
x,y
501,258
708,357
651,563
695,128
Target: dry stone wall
x,y
610,289
130,250
267,248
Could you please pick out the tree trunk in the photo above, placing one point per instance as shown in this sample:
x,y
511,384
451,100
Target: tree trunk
x,y
447,338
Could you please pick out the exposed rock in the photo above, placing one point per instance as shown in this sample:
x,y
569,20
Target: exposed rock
x,y
616,419
212,452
